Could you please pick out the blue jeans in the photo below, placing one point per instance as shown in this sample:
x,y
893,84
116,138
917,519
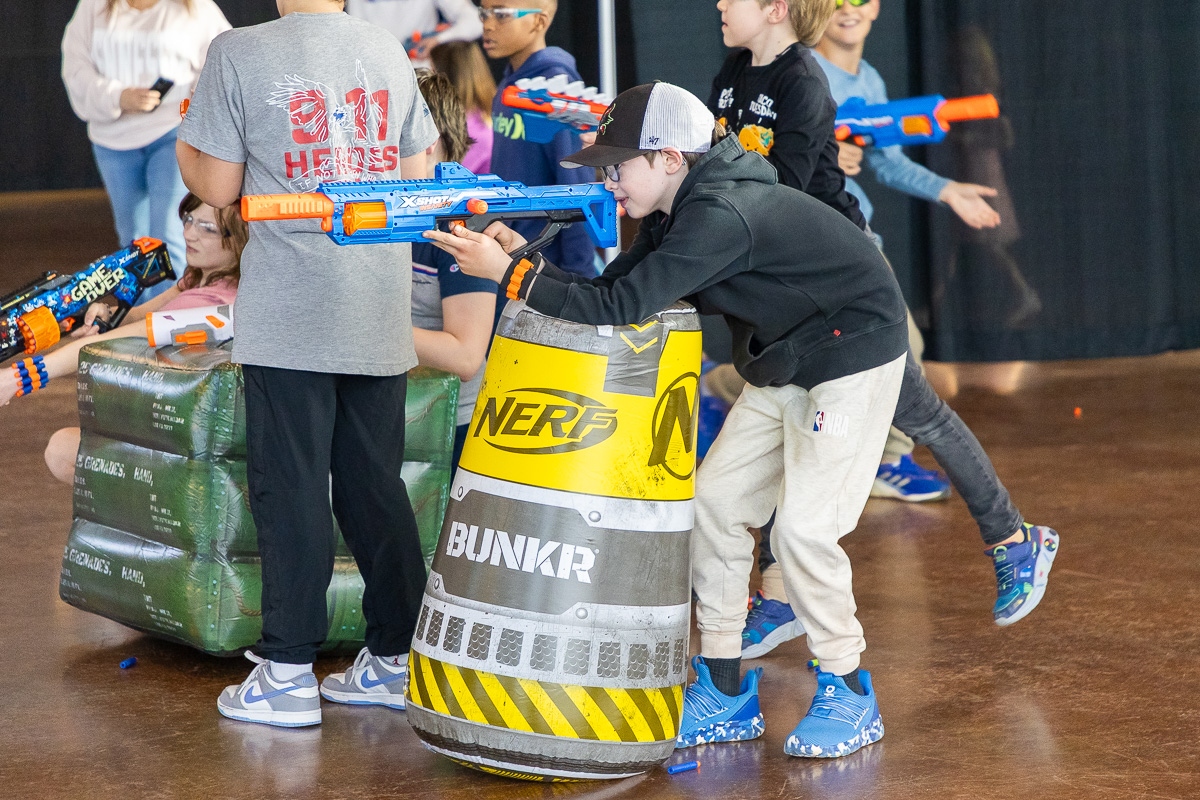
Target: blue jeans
x,y
145,189
925,417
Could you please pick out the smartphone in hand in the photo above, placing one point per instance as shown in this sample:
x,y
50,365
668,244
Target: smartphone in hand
x,y
162,86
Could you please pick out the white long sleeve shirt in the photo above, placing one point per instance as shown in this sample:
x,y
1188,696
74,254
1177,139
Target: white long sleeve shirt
x,y
105,54
405,17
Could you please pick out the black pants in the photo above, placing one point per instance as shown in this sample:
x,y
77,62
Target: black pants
x,y
301,428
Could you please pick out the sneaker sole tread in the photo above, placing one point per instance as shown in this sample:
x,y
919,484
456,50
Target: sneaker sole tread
x,y
868,736
361,699
784,633
713,734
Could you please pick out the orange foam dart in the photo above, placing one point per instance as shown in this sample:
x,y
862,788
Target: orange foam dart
x,y
980,106
216,322
364,216
311,205
183,107
477,206
40,329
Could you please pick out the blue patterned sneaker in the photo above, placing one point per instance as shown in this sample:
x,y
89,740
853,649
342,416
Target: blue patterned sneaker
x,y
909,481
769,624
710,716
1021,573
264,698
369,681
838,722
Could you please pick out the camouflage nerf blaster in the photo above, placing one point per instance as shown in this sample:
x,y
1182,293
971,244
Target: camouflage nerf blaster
x,y
374,212
917,120
549,105
412,42
32,317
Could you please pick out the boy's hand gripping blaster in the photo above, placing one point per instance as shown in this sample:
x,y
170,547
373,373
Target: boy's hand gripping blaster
x,y
549,105
32,317
400,211
207,325
917,120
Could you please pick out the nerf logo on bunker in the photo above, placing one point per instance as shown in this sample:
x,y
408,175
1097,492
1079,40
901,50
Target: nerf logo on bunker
x,y
520,553
544,421
98,284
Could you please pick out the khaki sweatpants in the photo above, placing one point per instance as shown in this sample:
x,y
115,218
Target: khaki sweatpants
x,y
814,454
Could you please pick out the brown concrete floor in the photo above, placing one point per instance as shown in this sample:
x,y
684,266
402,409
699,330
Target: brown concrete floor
x,y
1094,696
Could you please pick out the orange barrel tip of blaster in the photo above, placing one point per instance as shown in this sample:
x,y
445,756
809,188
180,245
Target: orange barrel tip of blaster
x,y
364,216
39,328
981,106
312,205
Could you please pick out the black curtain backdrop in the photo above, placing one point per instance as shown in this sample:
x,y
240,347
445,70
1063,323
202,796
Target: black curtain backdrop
x,y
1094,155
1095,158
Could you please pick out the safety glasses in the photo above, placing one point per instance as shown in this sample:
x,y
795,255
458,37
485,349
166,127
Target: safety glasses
x,y
201,225
613,173
855,3
505,14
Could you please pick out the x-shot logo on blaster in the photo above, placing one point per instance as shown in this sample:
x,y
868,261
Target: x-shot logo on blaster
x,y
544,421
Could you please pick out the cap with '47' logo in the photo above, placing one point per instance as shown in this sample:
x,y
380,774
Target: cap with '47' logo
x,y
646,118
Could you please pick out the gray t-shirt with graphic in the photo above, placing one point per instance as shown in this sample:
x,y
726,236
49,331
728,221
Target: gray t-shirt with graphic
x,y
305,99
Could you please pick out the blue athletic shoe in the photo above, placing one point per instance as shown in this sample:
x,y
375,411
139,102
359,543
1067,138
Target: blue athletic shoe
x,y
838,722
909,481
1021,573
710,716
769,624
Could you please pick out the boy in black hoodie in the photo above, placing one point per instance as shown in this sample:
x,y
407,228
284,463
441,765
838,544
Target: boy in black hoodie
x,y
819,333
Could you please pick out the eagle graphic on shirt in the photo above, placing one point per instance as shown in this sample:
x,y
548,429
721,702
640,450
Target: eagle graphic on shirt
x,y
345,136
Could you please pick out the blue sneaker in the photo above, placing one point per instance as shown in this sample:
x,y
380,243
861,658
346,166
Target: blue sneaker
x,y
838,722
769,624
909,481
710,716
1021,573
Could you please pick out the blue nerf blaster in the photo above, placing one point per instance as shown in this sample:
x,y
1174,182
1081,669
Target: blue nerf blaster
x,y
917,120
413,42
374,212
32,317
550,105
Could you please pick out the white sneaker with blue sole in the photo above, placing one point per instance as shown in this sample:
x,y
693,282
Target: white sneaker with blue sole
x,y
265,699
369,681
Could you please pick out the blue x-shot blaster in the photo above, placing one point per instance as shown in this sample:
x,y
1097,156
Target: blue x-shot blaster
x,y
373,212
915,120
32,317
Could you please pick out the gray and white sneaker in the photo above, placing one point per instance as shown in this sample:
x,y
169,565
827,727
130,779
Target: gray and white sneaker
x,y
264,698
369,681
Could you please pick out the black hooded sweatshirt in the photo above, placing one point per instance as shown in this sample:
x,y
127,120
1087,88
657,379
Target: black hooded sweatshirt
x,y
808,298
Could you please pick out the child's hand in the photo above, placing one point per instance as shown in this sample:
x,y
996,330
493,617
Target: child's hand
x,y
8,385
509,239
96,311
850,158
477,254
966,199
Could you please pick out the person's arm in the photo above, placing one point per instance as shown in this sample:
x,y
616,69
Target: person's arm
x,y
702,248
102,311
804,125
462,343
65,360
465,25
216,182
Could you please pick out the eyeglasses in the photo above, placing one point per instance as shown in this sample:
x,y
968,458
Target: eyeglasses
x,y
856,3
505,14
613,173
203,226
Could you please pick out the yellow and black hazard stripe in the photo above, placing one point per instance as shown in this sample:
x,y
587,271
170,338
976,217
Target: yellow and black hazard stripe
x,y
555,709
508,773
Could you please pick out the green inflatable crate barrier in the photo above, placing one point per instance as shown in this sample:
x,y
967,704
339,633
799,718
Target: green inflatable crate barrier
x,y
163,539
208,601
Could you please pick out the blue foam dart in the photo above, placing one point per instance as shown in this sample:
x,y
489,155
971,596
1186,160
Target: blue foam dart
x,y
129,662
684,767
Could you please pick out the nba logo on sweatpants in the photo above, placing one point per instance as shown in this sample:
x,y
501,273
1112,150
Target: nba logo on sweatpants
x,y
831,424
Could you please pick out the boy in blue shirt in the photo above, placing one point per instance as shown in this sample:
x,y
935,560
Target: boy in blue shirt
x,y
516,30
